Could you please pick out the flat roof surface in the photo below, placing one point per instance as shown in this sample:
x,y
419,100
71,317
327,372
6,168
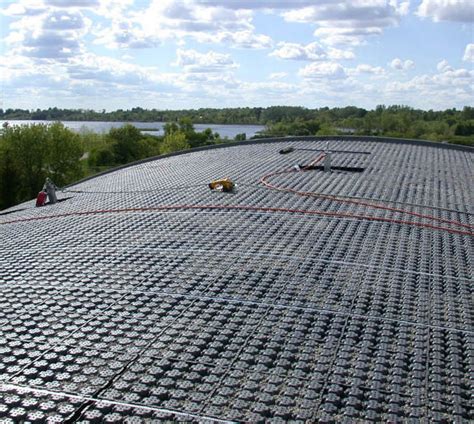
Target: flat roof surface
x,y
304,295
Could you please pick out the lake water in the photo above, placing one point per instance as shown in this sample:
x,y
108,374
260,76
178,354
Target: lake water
x,y
229,131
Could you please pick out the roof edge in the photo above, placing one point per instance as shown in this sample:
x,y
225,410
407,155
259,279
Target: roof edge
x,y
393,140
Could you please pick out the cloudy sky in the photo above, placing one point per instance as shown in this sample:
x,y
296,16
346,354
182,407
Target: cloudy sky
x,y
172,54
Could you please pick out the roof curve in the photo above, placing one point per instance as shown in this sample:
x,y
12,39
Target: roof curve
x,y
304,295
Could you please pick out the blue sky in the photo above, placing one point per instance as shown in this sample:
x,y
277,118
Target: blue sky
x,y
173,54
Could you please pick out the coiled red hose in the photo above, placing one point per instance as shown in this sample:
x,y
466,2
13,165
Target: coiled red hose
x,y
266,183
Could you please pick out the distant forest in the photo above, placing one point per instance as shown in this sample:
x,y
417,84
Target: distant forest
x,y
450,125
240,115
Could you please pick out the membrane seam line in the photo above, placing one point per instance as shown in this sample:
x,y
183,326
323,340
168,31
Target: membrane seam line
x,y
246,208
233,368
9,386
265,304
184,212
315,309
243,253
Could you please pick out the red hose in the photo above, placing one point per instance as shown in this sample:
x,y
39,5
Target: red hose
x,y
242,207
264,181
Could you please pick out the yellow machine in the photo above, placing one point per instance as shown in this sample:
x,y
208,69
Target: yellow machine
x,y
223,184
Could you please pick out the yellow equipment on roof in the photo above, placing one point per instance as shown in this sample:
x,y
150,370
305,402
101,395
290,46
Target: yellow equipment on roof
x,y
223,184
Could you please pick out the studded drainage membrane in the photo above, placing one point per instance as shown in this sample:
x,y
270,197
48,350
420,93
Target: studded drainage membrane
x,y
145,296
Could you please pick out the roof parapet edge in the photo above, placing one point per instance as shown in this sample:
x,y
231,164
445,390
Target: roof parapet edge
x,y
393,140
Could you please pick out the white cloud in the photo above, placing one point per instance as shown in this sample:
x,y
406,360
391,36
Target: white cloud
x,y
52,35
91,69
331,92
245,39
455,74
367,69
278,75
447,10
72,3
193,61
403,7
316,70
469,53
48,59
24,8
443,66
348,11
355,36
51,45
349,21
207,83
268,87
115,9
64,21
338,54
180,19
259,4
449,75
81,78
14,66
311,52
124,34
402,65
447,87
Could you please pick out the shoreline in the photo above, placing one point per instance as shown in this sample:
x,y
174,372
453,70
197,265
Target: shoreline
x,y
126,121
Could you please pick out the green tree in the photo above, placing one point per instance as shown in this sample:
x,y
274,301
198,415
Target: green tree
x,y
149,146
186,125
174,142
125,143
26,147
468,112
240,137
30,153
326,129
170,128
64,153
102,156
9,179
465,128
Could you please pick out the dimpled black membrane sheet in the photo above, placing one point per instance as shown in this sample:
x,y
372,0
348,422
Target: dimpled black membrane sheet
x,y
326,296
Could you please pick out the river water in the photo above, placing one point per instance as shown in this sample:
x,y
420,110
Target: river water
x,y
229,131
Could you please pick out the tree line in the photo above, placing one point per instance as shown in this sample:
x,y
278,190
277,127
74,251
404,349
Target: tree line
x,y
239,115
450,125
